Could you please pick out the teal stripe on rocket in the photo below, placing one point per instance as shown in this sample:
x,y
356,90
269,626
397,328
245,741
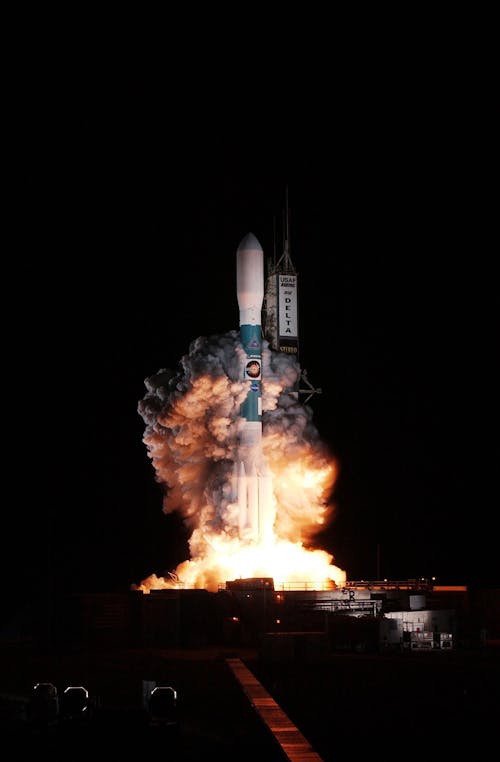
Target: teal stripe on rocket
x,y
250,336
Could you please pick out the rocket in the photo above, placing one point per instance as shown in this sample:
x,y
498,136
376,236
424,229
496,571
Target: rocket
x,y
252,482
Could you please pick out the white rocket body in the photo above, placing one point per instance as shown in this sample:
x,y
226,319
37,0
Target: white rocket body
x,y
251,475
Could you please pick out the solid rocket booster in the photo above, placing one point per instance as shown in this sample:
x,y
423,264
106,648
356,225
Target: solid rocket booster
x,y
252,476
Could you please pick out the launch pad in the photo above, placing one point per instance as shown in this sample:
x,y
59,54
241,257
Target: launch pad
x,y
255,613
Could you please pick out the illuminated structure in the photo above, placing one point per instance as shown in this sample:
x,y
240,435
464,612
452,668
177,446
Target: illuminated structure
x,y
281,306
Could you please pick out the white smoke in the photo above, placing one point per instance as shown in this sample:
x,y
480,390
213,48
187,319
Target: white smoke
x,y
192,434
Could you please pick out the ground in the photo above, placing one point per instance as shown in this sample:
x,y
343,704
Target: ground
x,y
387,706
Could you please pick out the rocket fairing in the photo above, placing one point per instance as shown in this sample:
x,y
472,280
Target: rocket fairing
x,y
251,474
250,292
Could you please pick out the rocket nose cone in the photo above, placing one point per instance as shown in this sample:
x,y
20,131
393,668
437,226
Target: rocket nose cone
x,y
249,242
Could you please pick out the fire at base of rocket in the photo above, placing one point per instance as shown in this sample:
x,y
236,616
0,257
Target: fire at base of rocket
x,y
252,480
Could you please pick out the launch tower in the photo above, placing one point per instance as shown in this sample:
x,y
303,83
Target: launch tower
x,y
281,306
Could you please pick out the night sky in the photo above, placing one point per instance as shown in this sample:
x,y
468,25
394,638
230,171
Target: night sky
x,y
129,200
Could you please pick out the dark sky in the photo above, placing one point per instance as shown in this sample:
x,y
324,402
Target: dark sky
x,y
130,196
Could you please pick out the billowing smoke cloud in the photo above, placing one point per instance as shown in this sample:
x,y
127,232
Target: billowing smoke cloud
x,y
192,435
